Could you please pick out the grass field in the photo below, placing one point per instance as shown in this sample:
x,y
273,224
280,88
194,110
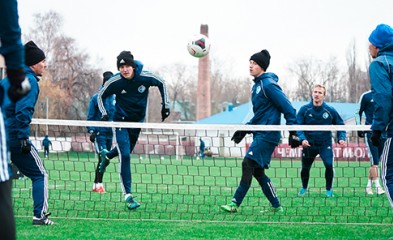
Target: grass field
x,y
137,229
180,200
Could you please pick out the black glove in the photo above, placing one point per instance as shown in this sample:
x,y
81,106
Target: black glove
x,y
25,146
376,137
104,118
20,85
93,136
361,134
293,139
239,135
165,113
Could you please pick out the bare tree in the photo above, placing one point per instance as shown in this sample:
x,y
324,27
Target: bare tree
x,y
181,84
182,87
310,71
227,89
73,80
357,80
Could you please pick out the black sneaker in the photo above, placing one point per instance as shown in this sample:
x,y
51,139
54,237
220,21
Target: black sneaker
x,y
43,221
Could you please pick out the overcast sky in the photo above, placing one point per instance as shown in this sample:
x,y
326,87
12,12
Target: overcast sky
x,y
157,31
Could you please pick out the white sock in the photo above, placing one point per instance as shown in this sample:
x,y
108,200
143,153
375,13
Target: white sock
x,y
99,185
126,196
376,182
94,185
369,183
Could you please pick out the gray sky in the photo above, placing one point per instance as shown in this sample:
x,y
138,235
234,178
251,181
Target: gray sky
x,y
157,31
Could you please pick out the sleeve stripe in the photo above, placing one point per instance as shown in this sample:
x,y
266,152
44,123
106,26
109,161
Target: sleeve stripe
x,y
166,96
100,103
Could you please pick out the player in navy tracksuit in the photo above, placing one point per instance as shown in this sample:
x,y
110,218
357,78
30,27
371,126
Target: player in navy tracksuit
x,y
317,112
381,78
17,119
101,137
131,87
366,106
269,102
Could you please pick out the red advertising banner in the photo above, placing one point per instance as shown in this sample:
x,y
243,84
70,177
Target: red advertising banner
x,y
352,152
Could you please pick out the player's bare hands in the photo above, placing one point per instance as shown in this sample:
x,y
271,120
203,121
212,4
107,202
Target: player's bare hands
x,y
305,143
342,143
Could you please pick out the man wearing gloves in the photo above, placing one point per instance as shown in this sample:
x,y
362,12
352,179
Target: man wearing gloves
x,y
17,120
269,102
381,78
131,88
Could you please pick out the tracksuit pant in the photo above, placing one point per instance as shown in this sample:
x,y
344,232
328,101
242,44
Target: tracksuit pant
x,y
308,157
386,162
31,165
126,139
103,141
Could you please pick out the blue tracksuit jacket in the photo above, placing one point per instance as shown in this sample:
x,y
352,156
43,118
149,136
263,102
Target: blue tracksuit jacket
x,y
381,77
319,115
269,102
94,114
18,115
132,95
366,106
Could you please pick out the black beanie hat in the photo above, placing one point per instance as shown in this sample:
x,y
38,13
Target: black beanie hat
x,y
33,54
125,58
262,58
106,76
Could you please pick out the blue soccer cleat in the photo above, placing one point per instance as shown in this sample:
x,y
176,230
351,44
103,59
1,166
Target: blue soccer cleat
x,y
302,192
104,161
329,193
131,203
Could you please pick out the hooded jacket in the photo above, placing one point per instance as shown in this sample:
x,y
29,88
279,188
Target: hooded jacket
x,y
381,77
132,94
18,115
94,114
269,102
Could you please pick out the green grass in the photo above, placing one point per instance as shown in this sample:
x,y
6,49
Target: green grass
x,y
180,199
125,229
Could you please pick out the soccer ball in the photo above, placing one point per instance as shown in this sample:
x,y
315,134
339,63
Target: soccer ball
x,y
199,45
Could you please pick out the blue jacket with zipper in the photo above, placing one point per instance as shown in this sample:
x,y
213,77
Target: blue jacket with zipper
x,y
269,102
18,115
381,77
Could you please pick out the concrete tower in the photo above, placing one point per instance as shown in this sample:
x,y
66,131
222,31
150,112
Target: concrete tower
x,y
203,106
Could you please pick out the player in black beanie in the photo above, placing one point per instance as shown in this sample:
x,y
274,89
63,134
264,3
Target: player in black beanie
x,y
23,153
33,54
262,58
269,104
131,89
125,58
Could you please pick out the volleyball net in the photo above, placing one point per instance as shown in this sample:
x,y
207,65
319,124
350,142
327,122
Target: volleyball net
x,y
173,181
